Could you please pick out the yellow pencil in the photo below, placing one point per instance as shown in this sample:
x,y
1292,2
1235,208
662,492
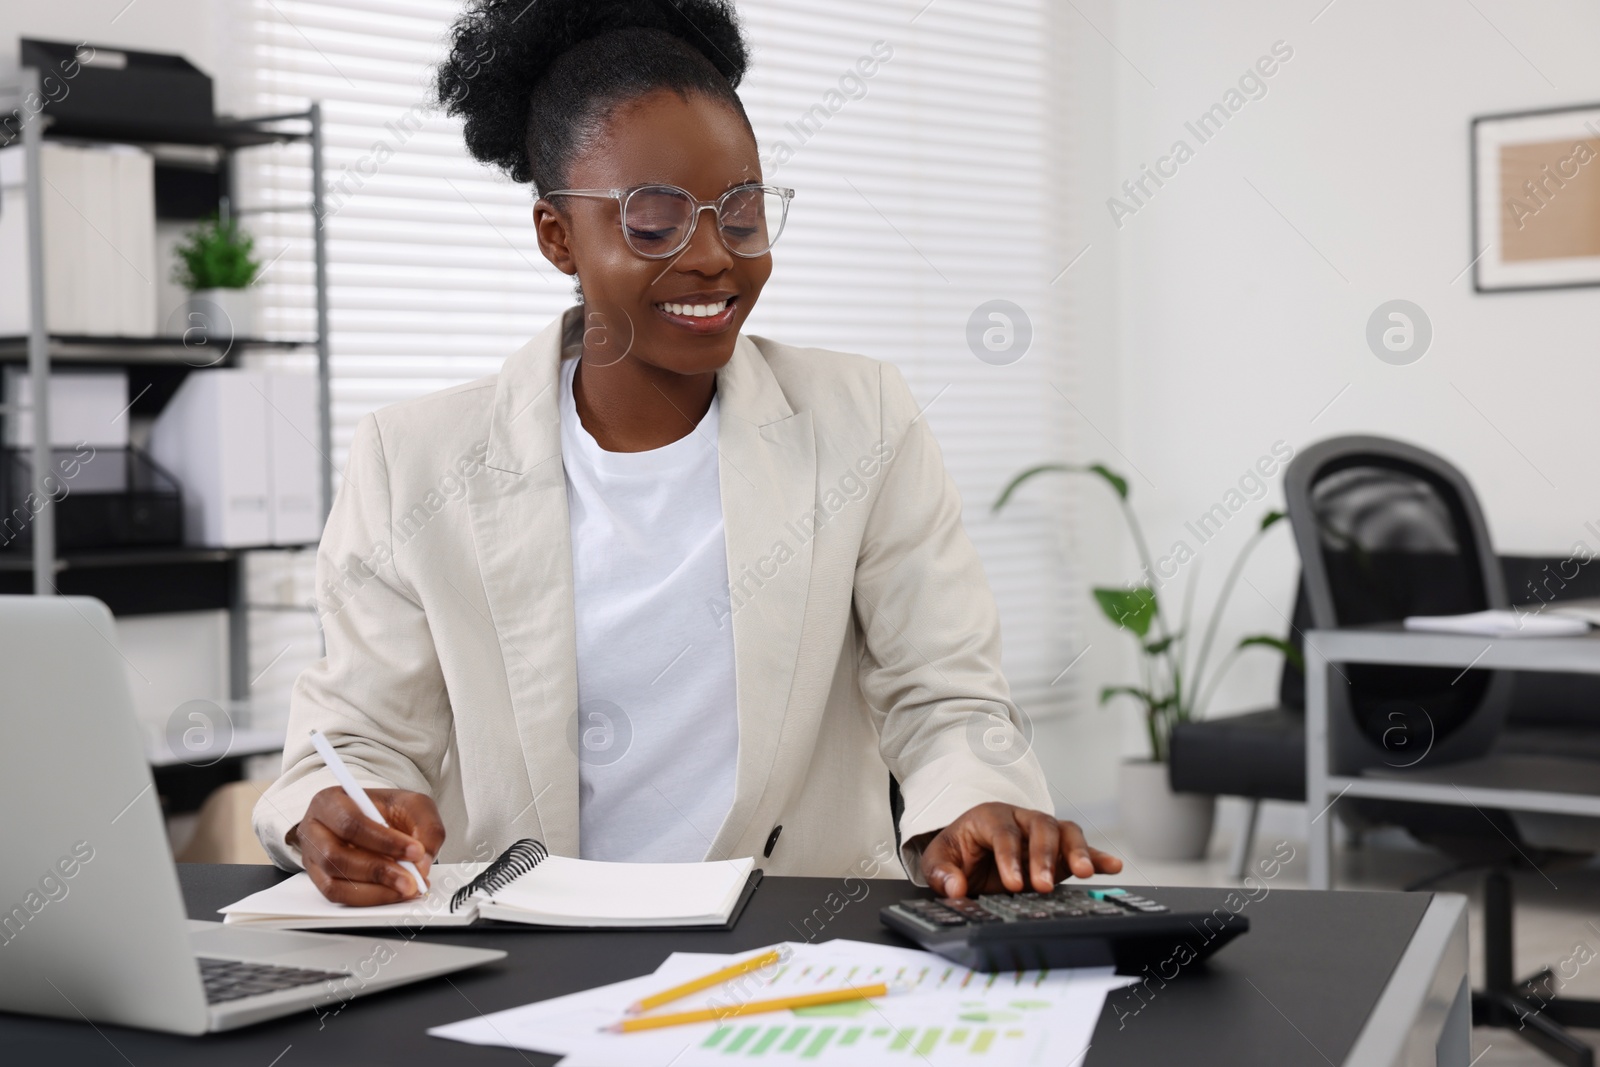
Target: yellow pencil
x,y
666,996
754,1007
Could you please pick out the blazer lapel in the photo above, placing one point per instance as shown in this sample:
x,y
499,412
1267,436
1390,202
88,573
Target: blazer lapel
x,y
521,528
767,469
524,542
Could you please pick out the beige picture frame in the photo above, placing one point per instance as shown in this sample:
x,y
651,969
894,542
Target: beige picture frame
x,y
1536,199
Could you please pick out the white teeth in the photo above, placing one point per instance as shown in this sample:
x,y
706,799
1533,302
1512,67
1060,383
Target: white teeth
x,y
698,311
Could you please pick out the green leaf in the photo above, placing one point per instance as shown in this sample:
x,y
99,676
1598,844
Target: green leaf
x,y
1155,648
1141,695
1115,480
1270,518
1268,641
1118,483
215,255
1027,475
1130,608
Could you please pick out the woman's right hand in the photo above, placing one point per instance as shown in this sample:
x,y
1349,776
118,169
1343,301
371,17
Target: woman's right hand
x,y
353,860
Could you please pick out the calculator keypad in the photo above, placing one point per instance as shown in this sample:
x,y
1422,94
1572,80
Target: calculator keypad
x,y
1063,902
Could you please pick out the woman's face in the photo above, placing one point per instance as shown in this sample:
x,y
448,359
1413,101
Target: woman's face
x,y
700,145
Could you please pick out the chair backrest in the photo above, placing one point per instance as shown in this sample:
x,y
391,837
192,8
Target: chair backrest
x,y
1386,530
1291,679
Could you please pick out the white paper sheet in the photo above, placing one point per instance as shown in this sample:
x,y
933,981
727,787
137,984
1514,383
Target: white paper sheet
x,y
1502,623
949,1015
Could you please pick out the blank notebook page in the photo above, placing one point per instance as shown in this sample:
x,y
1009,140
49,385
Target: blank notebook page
x,y
643,893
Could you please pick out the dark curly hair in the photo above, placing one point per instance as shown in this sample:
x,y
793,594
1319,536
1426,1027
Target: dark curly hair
x,y
535,80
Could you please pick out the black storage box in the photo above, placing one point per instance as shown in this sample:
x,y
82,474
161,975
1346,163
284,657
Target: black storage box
x,y
104,91
104,498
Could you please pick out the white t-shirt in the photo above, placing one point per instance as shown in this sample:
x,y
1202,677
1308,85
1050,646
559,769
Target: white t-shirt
x,y
657,726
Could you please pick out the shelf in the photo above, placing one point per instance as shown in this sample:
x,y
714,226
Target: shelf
x,y
77,348
142,581
22,559
246,728
240,133
156,99
183,788
242,743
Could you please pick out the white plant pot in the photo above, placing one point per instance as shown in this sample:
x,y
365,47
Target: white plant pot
x,y
1158,823
221,313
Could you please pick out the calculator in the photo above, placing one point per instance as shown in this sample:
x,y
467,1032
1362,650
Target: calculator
x,y
1070,926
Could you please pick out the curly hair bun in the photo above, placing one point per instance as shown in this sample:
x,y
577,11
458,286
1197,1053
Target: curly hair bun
x,y
530,78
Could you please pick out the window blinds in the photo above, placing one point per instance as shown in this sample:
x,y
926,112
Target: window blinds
x,y
920,138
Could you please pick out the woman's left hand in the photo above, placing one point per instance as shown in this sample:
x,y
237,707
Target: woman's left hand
x,y
997,848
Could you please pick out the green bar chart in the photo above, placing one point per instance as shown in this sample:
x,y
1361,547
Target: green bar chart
x,y
807,1042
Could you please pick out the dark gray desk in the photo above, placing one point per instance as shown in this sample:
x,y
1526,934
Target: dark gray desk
x,y
1321,978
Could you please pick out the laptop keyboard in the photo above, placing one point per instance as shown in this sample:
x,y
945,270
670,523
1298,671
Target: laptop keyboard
x,y
234,979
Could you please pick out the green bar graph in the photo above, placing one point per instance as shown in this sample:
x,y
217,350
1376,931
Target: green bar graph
x,y
766,1040
813,1042
818,1043
744,1037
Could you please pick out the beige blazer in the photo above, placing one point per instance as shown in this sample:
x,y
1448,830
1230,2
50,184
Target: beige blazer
x,y
866,638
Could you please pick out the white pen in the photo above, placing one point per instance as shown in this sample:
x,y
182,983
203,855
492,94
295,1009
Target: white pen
x,y
353,790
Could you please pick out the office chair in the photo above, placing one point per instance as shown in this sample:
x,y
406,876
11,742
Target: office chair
x,y
1387,530
1261,755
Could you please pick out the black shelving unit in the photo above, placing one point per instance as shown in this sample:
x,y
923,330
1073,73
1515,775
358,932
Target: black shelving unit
x,y
144,580
80,349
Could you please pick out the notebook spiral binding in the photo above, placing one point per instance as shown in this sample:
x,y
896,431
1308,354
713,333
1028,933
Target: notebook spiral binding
x,y
506,868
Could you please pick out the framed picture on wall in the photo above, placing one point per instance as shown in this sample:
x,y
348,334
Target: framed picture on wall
x,y
1536,199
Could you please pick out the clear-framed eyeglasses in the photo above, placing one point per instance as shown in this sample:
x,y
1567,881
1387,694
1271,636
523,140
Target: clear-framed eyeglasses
x,y
659,220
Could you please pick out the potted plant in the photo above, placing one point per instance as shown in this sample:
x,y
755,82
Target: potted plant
x,y
1173,687
216,265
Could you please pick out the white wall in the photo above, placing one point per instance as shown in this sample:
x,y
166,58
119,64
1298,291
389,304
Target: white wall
x,y
1080,750
1243,285
188,27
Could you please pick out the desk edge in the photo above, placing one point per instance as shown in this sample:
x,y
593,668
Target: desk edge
x,y
1424,996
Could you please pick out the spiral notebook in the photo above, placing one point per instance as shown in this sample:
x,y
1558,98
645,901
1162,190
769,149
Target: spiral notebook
x,y
525,884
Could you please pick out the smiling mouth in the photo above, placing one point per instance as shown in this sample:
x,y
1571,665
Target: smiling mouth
x,y
704,317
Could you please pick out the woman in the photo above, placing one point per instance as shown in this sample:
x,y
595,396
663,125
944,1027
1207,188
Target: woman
x,y
658,590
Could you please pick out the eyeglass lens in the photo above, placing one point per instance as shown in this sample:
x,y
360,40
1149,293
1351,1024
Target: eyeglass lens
x,y
657,219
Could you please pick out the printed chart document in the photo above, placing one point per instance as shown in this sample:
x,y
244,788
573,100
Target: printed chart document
x,y
946,1013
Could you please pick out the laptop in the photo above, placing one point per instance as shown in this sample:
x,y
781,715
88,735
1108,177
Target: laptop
x,y
92,923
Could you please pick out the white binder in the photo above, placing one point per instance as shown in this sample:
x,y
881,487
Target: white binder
x,y
212,437
98,219
66,238
104,263
135,238
86,407
295,462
